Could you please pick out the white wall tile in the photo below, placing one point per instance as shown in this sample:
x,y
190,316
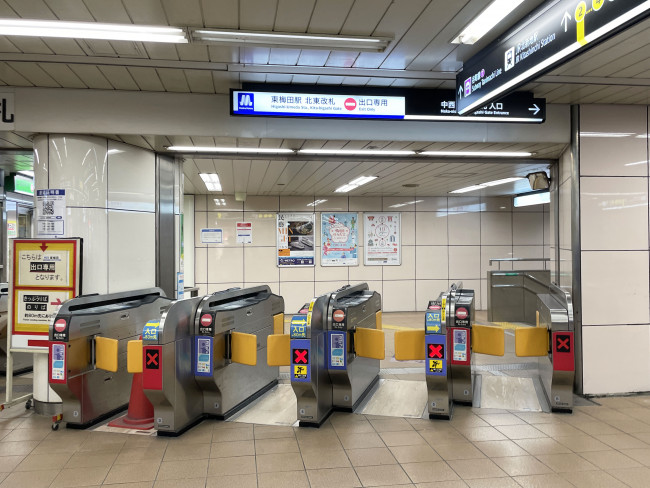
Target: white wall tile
x,y
528,229
431,263
225,264
264,228
364,204
431,228
131,177
615,359
464,204
406,270
613,156
215,287
530,252
478,294
262,203
201,265
566,269
497,204
91,224
565,215
226,221
296,204
614,213
188,239
484,305
464,228
295,294
407,227
78,165
200,222
323,287
131,266
431,204
332,204
464,262
495,252
274,285
259,264
398,295
329,273
426,290
496,228
227,203
615,287
365,273
201,203
547,227
297,273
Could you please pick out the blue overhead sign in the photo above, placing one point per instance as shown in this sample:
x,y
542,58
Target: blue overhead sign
x,y
554,33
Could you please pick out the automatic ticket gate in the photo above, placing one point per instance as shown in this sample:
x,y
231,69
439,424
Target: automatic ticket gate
x,y
88,351
445,346
193,359
333,352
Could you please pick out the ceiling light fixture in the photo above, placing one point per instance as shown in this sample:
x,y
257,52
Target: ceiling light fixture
x,y
486,21
478,154
397,205
480,186
236,150
211,181
291,39
356,183
357,152
537,198
220,202
91,30
316,202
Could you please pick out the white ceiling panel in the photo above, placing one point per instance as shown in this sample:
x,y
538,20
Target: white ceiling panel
x,y
70,10
329,16
145,12
257,14
187,12
293,15
220,13
103,11
146,78
35,74
91,76
119,77
199,81
11,77
63,75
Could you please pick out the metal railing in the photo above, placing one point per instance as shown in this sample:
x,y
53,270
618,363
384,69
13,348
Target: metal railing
x,y
500,260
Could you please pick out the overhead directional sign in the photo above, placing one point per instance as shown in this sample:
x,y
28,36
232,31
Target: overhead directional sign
x,y
371,103
553,34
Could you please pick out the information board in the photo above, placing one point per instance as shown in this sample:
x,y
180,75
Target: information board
x,y
46,273
554,33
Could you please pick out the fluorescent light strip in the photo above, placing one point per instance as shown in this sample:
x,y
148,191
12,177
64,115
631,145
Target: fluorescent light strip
x,y
242,150
607,134
275,35
557,56
469,118
356,152
397,205
316,202
487,184
478,154
469,188
486,21
356,183
91,30
532,199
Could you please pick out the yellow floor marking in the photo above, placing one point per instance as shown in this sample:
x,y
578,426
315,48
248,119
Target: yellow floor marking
x,y
397,327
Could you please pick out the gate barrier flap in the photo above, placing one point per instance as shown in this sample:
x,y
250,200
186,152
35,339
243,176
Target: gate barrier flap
x,y
409,345
531,341
106,353
134,356
244,348
369,343
278,323
278,350
488,340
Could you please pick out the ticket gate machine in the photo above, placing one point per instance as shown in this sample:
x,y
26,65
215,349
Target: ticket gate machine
x,y
192,362
459,316
334,352
88,349
223,322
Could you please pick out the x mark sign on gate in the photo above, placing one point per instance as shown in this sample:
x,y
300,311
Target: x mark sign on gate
x,y
152,360
436,351
563,344
300,356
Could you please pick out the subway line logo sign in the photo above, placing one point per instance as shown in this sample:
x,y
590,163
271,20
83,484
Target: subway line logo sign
x,y
246,101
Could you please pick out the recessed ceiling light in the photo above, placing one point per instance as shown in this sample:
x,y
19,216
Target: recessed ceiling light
x,y
240,150
486,21
211,181
478,154
91,30
356,183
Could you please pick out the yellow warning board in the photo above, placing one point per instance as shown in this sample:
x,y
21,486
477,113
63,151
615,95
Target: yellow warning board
x,y
299,371
435,365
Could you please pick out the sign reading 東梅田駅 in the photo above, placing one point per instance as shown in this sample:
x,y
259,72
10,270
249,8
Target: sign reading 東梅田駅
x,y
554,33
373,103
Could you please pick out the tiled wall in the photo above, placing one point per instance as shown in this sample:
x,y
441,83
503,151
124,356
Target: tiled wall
x,y
615,248
444,239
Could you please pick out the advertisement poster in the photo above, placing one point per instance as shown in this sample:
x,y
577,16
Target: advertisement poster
x,y
382,239
244,232
295,239
339,237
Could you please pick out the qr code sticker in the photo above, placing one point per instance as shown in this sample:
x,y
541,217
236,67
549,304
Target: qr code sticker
x,y
48,208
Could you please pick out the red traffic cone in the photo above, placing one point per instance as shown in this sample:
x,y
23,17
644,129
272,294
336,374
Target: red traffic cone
x,y
140,413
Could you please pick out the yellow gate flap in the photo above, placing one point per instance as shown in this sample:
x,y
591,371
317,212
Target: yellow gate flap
x,y
409,345
369,343
278,350
244,348
134,356
531,341
106,354
378,319
488,340
278,323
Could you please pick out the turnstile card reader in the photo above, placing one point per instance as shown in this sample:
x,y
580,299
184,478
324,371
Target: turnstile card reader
x,y
231,331
88,351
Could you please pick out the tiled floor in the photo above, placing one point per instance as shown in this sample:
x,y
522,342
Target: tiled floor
x,y
596,446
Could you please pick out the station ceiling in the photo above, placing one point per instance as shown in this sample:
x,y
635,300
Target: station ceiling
x,y
420,55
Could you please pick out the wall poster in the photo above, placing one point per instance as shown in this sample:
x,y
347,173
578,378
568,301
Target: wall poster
x,y
295,239
382,239
339,238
